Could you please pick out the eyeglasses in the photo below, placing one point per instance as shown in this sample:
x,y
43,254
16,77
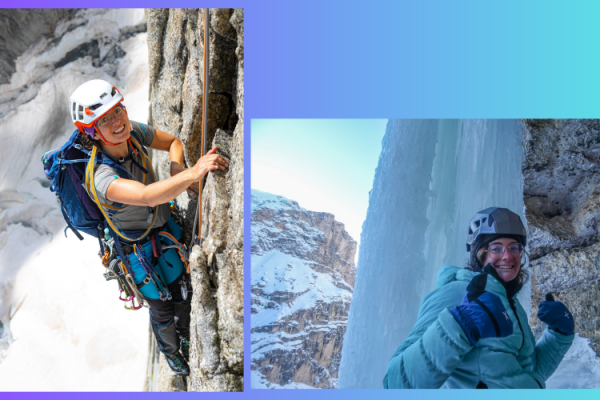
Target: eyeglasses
x,y
108,119
497,250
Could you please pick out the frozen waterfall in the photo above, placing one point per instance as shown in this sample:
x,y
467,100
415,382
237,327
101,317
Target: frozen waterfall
x,y
433,175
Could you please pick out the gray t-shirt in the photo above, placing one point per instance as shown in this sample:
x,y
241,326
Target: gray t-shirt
x,y
131,217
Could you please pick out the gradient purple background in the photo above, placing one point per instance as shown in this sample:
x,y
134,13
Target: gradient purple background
x,y
400,59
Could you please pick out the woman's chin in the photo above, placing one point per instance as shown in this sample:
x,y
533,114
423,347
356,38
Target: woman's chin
x,y
120,138
507,275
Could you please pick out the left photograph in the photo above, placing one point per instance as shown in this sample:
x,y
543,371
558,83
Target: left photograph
x,y
121,199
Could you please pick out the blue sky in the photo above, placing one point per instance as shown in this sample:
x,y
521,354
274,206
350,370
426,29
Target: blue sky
x,y
324,164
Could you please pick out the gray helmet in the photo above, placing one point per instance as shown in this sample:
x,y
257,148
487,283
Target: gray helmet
x,y
495,221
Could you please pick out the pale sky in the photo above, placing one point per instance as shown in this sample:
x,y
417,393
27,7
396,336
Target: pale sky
x,y
324,164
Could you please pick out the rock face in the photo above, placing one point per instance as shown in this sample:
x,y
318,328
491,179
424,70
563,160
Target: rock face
x,y
562,198
302,280
176,46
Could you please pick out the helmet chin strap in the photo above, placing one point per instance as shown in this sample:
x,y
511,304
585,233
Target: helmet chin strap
x,y
103,140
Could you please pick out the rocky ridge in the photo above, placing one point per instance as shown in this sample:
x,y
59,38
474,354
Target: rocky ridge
x,y
302,280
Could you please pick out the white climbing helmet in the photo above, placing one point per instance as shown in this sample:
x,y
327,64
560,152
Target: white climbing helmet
x,y
91,101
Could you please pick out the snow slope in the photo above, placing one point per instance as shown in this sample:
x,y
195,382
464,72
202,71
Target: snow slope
x,y
68,329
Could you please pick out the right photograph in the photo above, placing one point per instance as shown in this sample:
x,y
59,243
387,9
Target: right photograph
x,y
425,254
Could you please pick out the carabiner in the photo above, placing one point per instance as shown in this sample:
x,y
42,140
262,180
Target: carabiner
x,y
140,304
126,298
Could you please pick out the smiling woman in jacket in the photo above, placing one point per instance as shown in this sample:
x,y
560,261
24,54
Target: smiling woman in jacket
x,y
471,331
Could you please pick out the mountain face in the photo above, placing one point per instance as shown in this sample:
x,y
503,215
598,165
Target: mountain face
x,y
302,281
562,198
175,58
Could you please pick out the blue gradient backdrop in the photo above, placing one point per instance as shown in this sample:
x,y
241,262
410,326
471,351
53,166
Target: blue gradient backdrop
x,y
401,59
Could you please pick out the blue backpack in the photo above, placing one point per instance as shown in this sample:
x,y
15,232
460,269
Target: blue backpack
x,y
65,168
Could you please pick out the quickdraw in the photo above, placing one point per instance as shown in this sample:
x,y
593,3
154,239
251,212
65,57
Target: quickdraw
x,y
136,294
128,292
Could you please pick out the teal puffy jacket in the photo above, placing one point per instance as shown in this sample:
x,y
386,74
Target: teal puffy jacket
x,y
437,352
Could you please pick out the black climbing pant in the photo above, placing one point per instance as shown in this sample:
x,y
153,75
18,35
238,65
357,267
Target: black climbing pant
x,y
171,319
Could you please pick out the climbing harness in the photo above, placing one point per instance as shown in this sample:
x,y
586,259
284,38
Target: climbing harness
x,y
117,266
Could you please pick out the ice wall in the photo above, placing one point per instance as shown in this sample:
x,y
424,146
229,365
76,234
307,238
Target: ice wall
x,y
433,175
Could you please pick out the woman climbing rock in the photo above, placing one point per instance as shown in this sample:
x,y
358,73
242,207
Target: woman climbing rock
x,y
141,233
471,331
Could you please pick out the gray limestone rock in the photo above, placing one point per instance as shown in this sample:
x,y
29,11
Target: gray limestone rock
x,y
562,197
176,49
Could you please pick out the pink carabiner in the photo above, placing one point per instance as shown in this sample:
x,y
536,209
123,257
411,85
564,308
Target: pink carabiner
x,y
134,307
124,299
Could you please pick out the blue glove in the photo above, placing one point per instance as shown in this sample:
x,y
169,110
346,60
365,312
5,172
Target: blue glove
x,y
481,314
556,315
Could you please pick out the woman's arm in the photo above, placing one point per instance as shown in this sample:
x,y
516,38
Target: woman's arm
x,y
434,347
549,352
167,142
128,191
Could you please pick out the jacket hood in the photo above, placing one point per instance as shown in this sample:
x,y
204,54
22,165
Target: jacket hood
x,y
450,273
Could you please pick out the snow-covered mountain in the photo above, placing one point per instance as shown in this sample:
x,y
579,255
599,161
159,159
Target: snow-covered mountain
x,y
302,281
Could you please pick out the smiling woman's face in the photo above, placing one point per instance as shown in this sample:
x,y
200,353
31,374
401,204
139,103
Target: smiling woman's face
x,y
118,130
509,264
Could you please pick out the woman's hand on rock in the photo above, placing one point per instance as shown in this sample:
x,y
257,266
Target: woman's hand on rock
x,y
209,162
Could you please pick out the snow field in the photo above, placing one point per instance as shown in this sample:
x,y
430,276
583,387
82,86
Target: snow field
x,y
68,328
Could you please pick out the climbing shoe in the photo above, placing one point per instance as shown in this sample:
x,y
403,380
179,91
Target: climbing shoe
x,y
178,364
184,346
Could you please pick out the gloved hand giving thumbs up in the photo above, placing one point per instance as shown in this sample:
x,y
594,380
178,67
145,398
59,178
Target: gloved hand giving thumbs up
x,y
481,314
556,315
